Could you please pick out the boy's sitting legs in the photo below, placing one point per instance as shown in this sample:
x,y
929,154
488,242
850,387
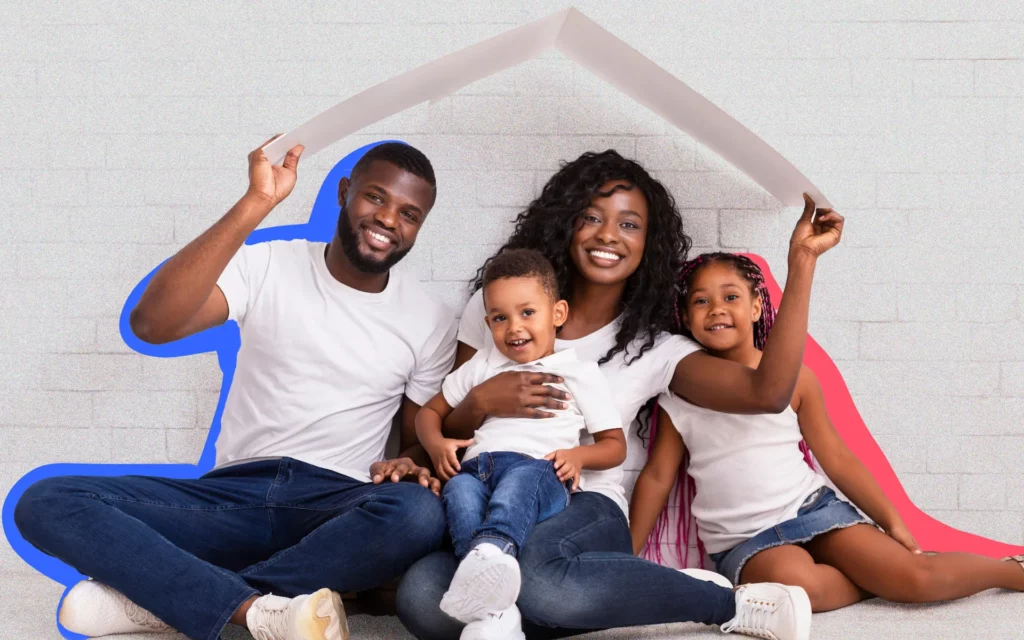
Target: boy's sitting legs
x,y
508,493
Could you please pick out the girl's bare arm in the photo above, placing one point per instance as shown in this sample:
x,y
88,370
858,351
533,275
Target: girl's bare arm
x,y
653,486
836,460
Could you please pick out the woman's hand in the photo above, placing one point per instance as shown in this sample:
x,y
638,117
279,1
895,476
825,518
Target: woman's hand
x,y
519,394
817,231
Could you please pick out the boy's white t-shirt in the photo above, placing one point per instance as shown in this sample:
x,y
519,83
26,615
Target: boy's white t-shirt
x,y
632,385
748,470
323,367
590,409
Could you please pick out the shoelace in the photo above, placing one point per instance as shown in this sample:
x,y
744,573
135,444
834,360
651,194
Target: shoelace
x,y
754,618
142,617
271,623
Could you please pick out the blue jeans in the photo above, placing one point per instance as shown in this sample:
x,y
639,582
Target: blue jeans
x,y
192,551
579,575
499,498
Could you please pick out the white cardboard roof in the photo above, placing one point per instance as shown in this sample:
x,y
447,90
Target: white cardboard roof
x,y
595,49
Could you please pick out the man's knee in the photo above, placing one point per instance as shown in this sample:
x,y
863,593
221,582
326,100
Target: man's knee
x,y
420,513
43,506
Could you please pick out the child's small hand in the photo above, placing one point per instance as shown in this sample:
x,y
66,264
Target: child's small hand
x,y
901,534
567,465
442,454
816,235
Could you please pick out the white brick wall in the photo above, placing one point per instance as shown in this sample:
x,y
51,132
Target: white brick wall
x,y
125,129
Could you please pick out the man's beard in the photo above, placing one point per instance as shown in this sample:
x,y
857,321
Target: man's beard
x,y
349,238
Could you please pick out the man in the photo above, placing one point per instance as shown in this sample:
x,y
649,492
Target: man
x,y
333,343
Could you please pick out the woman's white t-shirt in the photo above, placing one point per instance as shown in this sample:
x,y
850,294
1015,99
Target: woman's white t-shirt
x,y
632,385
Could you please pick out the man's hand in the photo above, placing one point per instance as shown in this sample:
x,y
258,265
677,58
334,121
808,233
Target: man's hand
x,y
270,183
567,465
400,469
443,456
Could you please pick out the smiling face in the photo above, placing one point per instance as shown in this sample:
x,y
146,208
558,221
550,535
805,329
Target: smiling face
x,y
523,317
721,309
609,240
382,210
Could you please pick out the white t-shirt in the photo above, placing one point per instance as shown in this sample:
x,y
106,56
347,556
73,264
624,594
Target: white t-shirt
x,y
323,367
748,470
632,385
590,410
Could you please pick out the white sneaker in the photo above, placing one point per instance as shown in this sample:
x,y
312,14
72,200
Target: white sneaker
x,y
773,611
506,625
487,581
318,616
94,609
708,576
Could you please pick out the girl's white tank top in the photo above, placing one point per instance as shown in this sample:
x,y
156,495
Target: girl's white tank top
x,y
748,470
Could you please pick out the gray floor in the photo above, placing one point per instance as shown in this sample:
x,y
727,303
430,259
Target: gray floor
x,y
27,603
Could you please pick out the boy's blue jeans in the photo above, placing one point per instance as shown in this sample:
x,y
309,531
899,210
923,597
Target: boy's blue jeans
x,y
499,498
192,551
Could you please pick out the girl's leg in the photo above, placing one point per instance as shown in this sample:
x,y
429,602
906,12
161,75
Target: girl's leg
x,y
879,564
791,565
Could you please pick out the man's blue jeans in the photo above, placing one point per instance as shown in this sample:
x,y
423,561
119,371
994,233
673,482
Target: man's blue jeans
x,y
192,551
579,574
499,498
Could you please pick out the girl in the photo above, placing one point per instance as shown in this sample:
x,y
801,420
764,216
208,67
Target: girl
x,y
762,511
615,238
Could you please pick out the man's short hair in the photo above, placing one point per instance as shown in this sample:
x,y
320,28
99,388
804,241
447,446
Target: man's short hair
x,y
522,263
401,155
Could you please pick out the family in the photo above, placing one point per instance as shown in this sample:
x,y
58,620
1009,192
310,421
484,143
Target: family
x,y
589,316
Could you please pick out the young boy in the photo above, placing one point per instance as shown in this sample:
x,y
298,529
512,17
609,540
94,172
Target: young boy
x,y
517,472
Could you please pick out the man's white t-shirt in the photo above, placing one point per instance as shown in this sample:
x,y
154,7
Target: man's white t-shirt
x,y
590,409
323,367
632,385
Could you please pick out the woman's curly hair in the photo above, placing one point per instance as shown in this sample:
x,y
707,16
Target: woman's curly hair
x,y
549,223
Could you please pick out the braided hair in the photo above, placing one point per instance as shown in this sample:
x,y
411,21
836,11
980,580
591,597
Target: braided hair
x,y
686,490
748,270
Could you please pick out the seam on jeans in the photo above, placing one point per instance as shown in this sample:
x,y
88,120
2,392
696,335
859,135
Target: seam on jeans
x,y
571,537
772,545
267,500
155,503
222,621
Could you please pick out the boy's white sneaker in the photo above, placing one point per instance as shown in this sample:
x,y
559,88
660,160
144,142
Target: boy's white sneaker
x,y
773,611
317,616
487,581
505,625
94,609
708,576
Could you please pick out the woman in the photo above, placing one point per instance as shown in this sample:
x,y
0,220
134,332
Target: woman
x,y
615,238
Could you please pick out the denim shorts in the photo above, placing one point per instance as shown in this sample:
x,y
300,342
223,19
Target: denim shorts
x,y
823,511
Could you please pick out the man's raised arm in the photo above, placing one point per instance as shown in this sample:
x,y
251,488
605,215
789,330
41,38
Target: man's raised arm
x,y
183,297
